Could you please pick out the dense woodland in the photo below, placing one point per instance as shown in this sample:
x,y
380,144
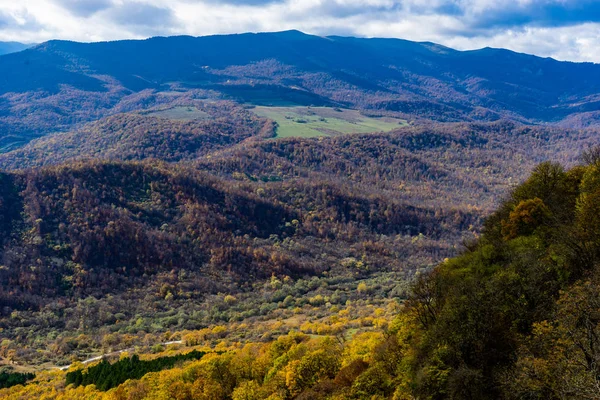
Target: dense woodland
x,y
99,247
10,378
463,164
512,317
173,234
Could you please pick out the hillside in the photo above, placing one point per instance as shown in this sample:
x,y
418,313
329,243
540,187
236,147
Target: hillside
x,y
172,232
58,85
514,316
466,165
150,240
206,128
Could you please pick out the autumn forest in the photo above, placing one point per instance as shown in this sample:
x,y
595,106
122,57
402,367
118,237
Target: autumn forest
x,y
247,217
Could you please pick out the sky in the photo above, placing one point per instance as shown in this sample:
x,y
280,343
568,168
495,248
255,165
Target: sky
x,y
563,29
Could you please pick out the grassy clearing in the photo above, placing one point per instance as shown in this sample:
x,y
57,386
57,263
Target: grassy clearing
x,y
180,113
324,121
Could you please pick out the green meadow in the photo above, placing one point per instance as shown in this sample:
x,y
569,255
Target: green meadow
x,y
180,113
324,121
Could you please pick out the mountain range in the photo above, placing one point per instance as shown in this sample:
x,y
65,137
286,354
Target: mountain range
x,y
58,85
281,182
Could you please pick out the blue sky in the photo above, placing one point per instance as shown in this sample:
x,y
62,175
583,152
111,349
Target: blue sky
x,y
563,29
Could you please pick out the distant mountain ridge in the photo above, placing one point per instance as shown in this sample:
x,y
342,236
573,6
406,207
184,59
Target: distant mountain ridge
x,y
12,47
69,83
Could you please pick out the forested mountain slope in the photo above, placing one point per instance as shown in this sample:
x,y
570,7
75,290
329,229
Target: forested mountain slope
x,y
221,191
513,317
59,84
516,316
137,236
139,136
463,165
132,238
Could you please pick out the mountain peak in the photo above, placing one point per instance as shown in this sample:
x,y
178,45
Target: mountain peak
x,y
292,33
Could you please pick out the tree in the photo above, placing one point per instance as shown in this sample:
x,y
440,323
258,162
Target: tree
x,y
562,357
248,390
591,156
525,218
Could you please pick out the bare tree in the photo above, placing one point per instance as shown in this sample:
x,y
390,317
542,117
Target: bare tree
x,y
591,156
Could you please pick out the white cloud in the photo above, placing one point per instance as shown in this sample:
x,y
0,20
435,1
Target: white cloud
x,y
564,29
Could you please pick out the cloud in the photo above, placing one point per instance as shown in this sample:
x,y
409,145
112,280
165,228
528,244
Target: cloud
x,y
144,19
84,8
18,20
541,13
256,3
564,29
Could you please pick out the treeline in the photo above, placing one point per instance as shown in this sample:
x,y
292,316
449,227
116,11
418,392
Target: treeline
x,y
106,375
8,379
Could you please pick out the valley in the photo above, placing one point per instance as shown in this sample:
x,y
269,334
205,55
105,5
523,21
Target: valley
x,y
291,216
